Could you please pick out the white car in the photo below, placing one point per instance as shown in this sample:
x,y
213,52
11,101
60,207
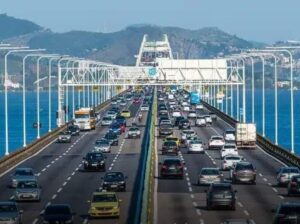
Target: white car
x,y
229,161
111,114
200,121
144,107
229,135
199,107
184,104
216,142
187,133
160,98
195,146
106,121
229,149
192,114
176,113
114,102
186,108
123,103
208,120
102,145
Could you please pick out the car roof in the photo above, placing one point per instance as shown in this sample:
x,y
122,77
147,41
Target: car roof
x,y
8,203
210,168
221,184
104,193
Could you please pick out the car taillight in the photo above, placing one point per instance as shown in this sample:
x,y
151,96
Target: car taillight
x,y
164,167
293,184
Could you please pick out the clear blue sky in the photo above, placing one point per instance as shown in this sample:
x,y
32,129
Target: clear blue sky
x,y
259,20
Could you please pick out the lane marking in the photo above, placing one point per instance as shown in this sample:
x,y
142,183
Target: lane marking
x,y
274,189
265,179
35,221
246,212
195,204
240,204
54,196
59,190
198,212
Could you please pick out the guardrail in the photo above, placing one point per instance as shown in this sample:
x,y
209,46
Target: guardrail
x,y
267,145
138,212
31,149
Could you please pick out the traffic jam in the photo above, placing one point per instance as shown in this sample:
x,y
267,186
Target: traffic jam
x,y
181,117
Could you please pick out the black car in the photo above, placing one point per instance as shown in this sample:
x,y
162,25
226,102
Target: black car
x,y
177,120
94,161
112,138
294,185
287,212
184,124
165,130
220,194
114,181
74,129
58,213
171,168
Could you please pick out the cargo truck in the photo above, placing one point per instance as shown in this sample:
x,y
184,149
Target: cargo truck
x,y
245,135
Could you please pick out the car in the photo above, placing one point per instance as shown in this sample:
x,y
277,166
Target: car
x,y
102,145
163,117
169,147
294,186
106,121
229,161
238,221
208,120
10,213
287,212
177,120
229,149
185,104
64,137
199,107
58,213
126,113
163,112
173,138
192,114
165,130
104,204
160,98
21,173
74,129
115,128
186,108
114,102
112,138
163,122
137,100
209,175
114,181
213,116
200,121
229,135
195,146
145,107
112,114
123,103
171,167
122,121
220,194
243,172
129,97
28,190
185,134
114,111
216,142
184,124
94,161
176,113
285,174
134,132
190,138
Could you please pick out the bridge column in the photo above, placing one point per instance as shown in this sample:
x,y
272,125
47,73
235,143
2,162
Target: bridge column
x,y
60,113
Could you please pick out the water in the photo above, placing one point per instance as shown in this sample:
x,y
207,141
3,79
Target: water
x,y
16,116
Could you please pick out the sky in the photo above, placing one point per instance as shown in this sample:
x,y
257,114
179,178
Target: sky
x,y
257,20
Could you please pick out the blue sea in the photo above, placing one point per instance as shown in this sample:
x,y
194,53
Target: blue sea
x,y
16,116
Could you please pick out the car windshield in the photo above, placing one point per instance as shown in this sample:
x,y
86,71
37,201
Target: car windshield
x,y
170,143
94,156
232,158
210,172
27,184
216,138
104,198
290,170
171,139
57,210
117,176
288,210
73,128
102,142
196,142
107,119
229,146
82,116
230,132
23,173
111,112
171,162
8,208
244,167
133,129
125,111
110,136
222,188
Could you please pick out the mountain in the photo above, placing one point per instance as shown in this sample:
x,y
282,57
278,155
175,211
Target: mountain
x,y
121,46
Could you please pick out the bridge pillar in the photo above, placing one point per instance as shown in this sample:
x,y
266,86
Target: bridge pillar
x,y
60,117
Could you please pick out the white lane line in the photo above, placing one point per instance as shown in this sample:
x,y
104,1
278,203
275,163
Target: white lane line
x,y
35,221
65,183
274,189
240,204
69,178
109,168
189,183
53,161
214,162
49,203
187,174
198,212
192,196
246,212
260,174
48,166
11,198
59,190
281,197
269,184
188,179
73,173
190,189
265,179
43,170
38,174
85,221
201,221
54,196
195,204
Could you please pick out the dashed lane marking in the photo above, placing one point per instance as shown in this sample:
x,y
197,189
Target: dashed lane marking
x,y
246,212
240,204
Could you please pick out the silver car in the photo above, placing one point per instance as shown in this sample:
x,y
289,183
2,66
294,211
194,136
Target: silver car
x,y
102,145
10,213
106,121
28,190
21,174
285,174
209,176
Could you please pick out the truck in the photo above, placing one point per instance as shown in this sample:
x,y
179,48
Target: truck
x,y
85,118
245,135
194,98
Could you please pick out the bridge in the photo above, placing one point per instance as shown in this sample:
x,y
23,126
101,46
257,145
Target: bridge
x,y
148,197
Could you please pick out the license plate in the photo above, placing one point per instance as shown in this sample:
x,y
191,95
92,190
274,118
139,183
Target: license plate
x,y
218,196
113,186
94,164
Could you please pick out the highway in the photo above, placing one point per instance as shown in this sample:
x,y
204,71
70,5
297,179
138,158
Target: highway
x,y
183,201
61,176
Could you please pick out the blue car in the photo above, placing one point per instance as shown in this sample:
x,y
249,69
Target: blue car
x,y
115,128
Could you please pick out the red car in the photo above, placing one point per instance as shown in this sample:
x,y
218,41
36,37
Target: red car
x,y
137,100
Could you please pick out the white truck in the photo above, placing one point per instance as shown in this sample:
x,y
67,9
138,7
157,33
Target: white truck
x,y
245,135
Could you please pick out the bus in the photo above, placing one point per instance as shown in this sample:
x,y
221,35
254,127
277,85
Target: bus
x,y
85,118
194,98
